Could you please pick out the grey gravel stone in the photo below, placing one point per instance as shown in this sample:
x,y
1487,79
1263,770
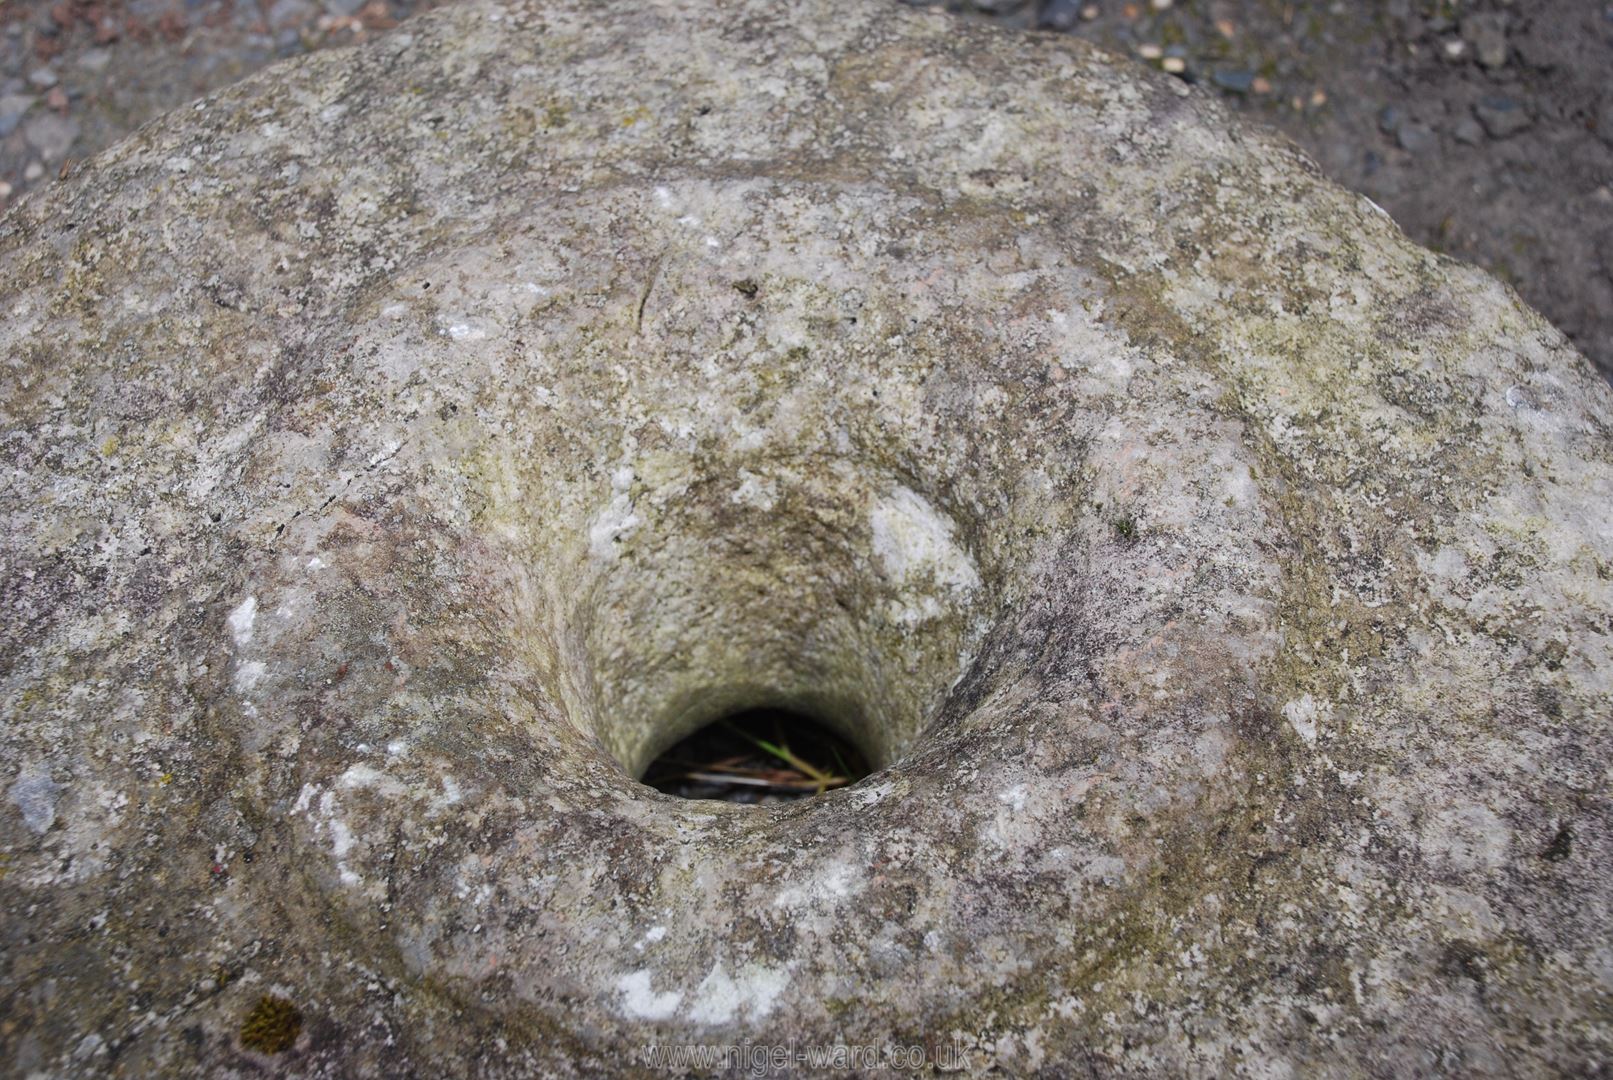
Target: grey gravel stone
x,y
1486,33
51,134
1416,138
1060,14
1238,81
44,78
13,107
289,15
1467,131
1502,116
95,59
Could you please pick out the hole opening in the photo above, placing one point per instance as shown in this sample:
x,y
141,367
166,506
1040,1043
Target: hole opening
x,y
758,756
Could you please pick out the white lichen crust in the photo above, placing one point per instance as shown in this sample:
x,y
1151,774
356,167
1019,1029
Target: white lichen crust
x,y
406,445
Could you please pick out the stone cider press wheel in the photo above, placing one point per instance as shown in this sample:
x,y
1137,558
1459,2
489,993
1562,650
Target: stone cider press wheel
x,y
406,445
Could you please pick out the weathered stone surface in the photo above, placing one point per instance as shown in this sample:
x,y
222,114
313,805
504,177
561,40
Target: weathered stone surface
x,y
405,444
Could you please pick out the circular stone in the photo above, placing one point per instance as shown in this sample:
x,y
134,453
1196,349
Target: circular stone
x,y
407,445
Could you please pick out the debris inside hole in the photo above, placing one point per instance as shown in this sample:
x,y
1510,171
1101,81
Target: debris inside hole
x,y
759,756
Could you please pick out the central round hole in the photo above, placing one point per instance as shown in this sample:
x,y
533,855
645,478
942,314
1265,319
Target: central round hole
x,y
758,756
835,597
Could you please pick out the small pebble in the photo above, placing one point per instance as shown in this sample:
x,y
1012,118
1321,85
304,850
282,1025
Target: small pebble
x,y
1160,5
1150,51
1174,64
50,134
1090,12
1416,138
1486,32
12,109
1467,131
1237,82
5,190
33,172
95,59
1502,116
1454,49
44,78
1059,14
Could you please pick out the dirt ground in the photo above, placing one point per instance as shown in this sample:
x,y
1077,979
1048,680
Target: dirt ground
x,y
1485,127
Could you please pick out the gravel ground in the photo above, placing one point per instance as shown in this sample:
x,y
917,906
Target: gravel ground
x,y
1484,127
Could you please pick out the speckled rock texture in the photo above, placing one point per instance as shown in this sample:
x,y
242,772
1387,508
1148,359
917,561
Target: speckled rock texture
x,y
405,445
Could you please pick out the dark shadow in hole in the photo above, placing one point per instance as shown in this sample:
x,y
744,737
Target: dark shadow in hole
x,y
758,756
